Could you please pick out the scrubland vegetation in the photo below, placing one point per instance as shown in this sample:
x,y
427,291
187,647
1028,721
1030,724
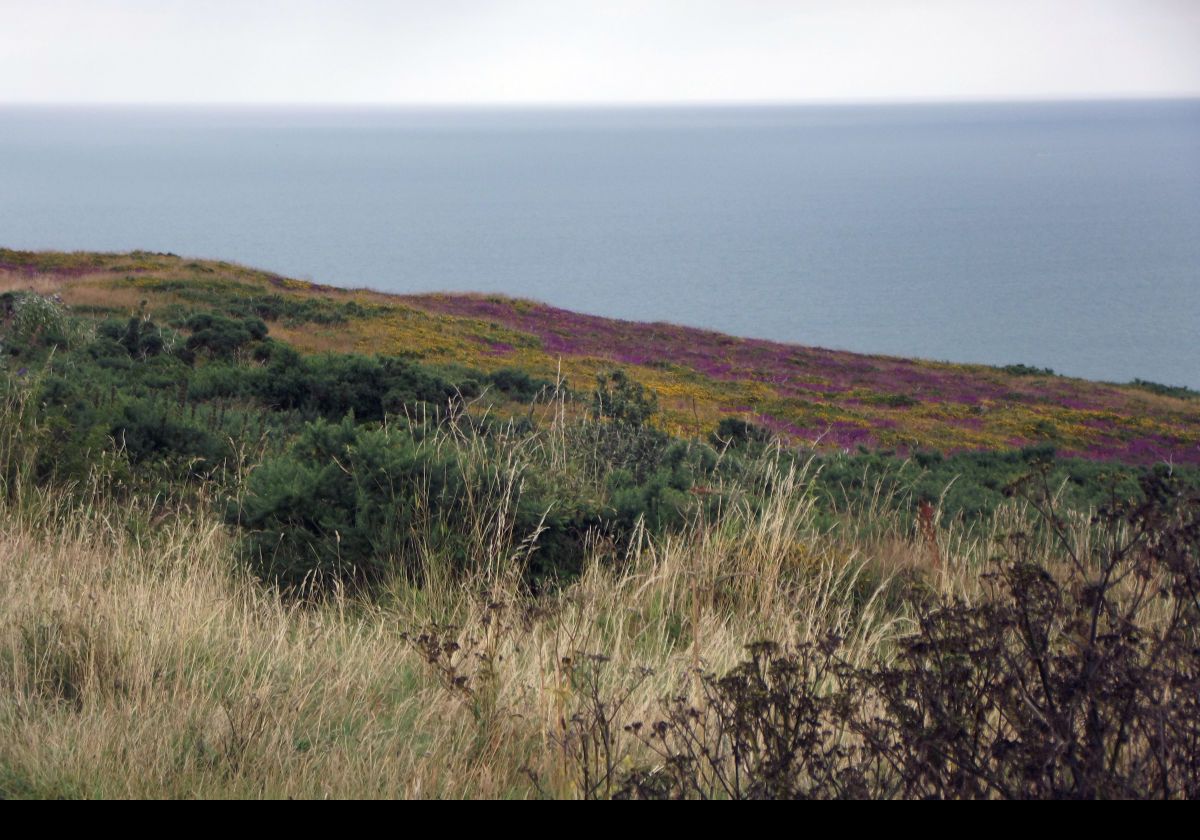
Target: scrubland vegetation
x,y
235,566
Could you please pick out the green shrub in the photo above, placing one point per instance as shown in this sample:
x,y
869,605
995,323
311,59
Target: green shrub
x,y
36,324
342,506
334,385
517,384
623,401
138,337
220,337
894,400
1178,391
661,499
1027,370
564,515
154,431
734,431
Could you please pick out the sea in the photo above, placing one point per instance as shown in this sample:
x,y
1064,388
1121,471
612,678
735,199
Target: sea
x,y
1054,234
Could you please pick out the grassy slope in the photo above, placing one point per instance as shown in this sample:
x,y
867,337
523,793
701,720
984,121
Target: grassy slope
x,y
841,399
144,662
148,667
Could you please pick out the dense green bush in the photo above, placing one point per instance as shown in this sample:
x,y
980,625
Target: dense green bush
x,y
736,432
564,516
1178,391
342,506
138,337
622,401
154,431
219,337
971,485
1027,370
239,301
334,385
517,384
619,434
663,499
294,310
346,503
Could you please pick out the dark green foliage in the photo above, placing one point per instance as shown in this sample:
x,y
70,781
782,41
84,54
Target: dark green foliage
x,y
623,401
1027,370
138,337
664,498
1178,391
564,519
517,384
341,506
972,485
155,431
239,301
734,431
332,386
305,310
894,400
67,453
637,450
219,337
621,437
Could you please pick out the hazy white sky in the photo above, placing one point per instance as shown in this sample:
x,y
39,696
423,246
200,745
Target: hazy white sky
x,y
528,51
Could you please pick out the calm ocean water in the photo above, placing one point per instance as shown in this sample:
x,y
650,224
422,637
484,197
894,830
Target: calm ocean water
x,y
1058,235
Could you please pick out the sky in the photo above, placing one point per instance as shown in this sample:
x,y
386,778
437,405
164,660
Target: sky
x,y
497,52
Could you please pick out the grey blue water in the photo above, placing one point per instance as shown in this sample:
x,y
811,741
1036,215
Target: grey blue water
x,y
1063,235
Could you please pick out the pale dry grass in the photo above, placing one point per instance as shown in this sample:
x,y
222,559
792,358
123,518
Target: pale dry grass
x,y
154,668
39,284
135,665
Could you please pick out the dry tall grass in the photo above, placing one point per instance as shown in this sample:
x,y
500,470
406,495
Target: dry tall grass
x,y
147,662
135,666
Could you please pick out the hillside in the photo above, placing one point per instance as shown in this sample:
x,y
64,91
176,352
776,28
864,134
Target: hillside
x,y
262,538
834,399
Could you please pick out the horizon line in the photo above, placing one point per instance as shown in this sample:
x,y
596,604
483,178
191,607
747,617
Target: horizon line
x,y
615,104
